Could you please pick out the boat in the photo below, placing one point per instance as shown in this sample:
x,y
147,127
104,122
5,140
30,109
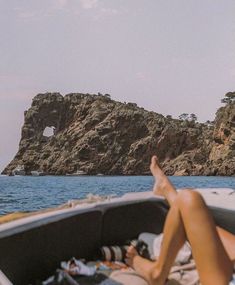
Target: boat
x,y
32,247
77,173
37,173
19,170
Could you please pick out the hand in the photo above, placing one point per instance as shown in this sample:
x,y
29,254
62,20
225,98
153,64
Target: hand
x,y
130,255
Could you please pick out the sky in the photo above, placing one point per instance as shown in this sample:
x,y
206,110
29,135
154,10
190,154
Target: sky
x,y
168,56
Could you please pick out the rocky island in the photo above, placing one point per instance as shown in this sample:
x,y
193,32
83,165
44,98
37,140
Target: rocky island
x,y
97,135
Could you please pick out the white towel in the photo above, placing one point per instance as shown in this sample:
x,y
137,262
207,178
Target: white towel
x,y
79,269
154,243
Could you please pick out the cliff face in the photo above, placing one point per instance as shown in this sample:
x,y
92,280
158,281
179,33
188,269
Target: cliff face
x,y
98,135
222,154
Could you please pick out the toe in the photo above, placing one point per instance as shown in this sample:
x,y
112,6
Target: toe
x,y
154,160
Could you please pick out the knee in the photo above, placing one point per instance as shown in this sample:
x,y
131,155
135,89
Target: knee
x,y
188,199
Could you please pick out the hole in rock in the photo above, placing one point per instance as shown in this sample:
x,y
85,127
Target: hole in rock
x,y
49,131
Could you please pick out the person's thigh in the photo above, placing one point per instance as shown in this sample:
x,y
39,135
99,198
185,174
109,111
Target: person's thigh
x,y
213,263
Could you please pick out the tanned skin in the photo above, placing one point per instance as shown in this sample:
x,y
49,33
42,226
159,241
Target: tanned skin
x,y
189,219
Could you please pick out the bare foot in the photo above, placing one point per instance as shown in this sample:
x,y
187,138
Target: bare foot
x,y
158,175
154,166
162,186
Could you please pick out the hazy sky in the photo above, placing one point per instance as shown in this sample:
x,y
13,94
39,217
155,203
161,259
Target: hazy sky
x,y
169,56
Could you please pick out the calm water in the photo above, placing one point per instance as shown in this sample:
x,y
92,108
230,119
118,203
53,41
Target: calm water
x,y
21,193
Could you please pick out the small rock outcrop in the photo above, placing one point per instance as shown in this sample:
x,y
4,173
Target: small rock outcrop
x,y
94,134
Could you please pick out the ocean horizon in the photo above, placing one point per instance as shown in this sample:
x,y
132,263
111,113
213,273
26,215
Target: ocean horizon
x,y
27,193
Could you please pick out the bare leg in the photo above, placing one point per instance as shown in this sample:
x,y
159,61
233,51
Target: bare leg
x,y
212,260
189,218
173,239
162,186
228,241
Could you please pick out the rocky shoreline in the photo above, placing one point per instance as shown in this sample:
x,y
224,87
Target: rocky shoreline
x,y
94,134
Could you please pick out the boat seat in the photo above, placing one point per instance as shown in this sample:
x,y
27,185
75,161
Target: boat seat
x,y
34,253
126,220
224,218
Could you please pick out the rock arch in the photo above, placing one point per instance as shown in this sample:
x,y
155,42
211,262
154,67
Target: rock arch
x,y
49,131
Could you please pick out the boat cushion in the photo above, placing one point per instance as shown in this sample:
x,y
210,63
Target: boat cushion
x,y
35,253
125,221
224,218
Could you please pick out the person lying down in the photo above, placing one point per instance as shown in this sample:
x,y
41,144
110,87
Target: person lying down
x,y
188,219
189,231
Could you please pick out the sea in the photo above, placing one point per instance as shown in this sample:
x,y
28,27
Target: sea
x,y
28,193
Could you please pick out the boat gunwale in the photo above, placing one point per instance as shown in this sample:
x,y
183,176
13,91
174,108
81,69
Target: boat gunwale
x,y
31,222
